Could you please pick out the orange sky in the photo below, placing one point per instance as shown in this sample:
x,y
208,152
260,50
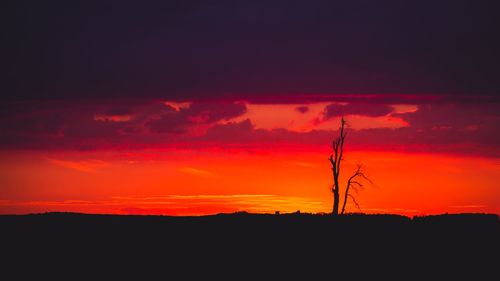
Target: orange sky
x,y
187,158
184,182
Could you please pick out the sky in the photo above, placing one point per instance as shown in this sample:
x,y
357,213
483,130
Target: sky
x,y
202,107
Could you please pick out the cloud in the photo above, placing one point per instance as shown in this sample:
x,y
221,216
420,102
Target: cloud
x,y
197,172
468,206
182,118
302,109
213,112
178,105
464,128
390,210
86,166
113,118
302,164
172,123
231,131
363,109
119,111
98,124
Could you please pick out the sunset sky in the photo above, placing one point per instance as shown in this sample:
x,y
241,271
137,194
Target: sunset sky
x,y
194,107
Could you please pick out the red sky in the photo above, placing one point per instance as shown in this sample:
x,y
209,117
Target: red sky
x,y
425,155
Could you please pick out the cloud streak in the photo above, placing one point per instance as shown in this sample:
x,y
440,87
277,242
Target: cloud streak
x,y
86,166
197,172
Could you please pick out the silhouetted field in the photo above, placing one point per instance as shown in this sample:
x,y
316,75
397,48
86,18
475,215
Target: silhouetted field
x,y
248,244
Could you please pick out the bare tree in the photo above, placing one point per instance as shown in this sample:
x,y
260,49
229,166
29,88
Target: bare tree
x,y
354,182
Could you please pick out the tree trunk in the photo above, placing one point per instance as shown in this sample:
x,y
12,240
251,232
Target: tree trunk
x,y
345,200
335,160
335,211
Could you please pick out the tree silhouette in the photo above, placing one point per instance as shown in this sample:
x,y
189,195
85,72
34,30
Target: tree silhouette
x,y
354,182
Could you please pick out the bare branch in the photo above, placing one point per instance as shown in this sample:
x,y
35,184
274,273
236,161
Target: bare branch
x,y
355,202
356,186
365,177
354,183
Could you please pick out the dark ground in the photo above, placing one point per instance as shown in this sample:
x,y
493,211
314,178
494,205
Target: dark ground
x,y
241,246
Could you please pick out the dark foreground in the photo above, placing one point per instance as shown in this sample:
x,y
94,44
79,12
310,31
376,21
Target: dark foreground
x,y
241,246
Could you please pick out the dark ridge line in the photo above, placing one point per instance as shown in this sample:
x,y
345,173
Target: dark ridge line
x,y
445,216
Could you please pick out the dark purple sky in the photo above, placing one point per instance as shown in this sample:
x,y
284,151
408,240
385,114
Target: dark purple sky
x,y
185,50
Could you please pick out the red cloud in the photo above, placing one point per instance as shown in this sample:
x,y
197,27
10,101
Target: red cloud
x,y
71,125
302,109
365,109
178,121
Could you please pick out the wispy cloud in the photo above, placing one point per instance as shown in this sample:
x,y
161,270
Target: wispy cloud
x,y
86,166
197,172
113,118
197,196
467,206
302,164
387,210
178,105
